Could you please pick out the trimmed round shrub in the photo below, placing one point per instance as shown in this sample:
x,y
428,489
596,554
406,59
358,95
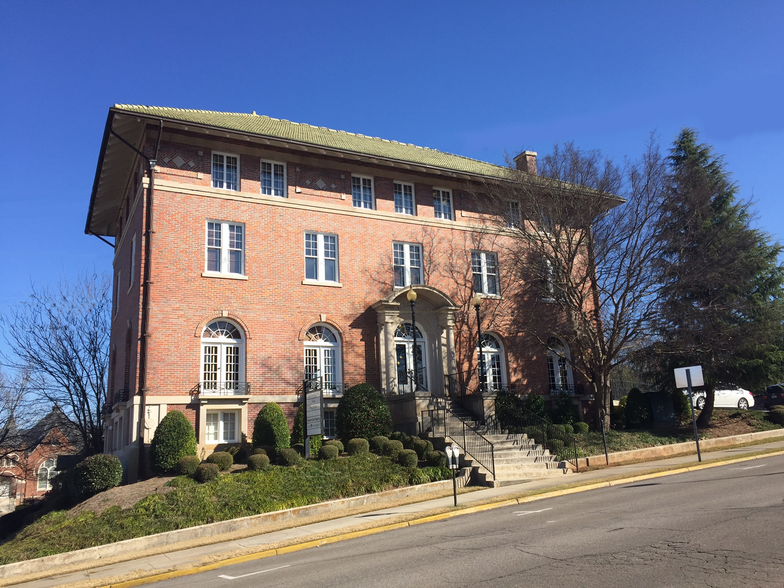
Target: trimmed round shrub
x,y
222,459
289,457
776,415
328,452
377,443
267,450
174,438
556,432
436,459
187,465
362,412
421,447
569,429
337,443
357,446
206,472
535,433
580,428
555,446
258,462
638,413
391,449
271,428
98,473
299,448
408,458
298,432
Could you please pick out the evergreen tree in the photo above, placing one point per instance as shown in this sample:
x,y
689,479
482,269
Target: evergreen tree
x,y
721,303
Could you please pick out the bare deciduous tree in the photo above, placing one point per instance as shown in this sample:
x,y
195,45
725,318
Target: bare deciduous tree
x,y
585,238
61,336
17,412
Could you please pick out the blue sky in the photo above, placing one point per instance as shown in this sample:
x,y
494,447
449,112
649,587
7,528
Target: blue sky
x,y
476,79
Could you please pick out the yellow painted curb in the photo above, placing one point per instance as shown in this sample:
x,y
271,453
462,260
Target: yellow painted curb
x,y
431,518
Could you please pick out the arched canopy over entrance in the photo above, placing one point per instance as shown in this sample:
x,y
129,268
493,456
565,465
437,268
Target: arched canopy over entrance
x,y
416,342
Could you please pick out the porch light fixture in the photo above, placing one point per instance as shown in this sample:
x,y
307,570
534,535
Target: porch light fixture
x,y
476,301
412,296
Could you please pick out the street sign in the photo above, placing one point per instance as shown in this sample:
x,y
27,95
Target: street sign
x,y
682,381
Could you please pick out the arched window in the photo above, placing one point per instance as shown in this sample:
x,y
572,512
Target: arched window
x,y
409,359
493,358
223,359
322,357
559,369
46,471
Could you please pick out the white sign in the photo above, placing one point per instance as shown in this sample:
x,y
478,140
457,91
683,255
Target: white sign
x,y
695,372
313,413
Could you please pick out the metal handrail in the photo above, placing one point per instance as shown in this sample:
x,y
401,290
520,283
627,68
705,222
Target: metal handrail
x,y
474,444
209,388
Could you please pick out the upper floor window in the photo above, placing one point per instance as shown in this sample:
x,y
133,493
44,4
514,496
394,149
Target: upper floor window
x,y
407,263
485,269
442,204
225,247
46,472
404,198
225,171
362,192
321,257
273,178
513,216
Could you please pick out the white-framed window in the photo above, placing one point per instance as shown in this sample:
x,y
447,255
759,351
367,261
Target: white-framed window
x,y
225,171
411,360
484,265
493,359
5,487
404,198
321,257
559,369
132,268
322,357
222,359
225,247
442,204
330,427
8,461
221,426
46,472
362,192
514,218
407,264
273,178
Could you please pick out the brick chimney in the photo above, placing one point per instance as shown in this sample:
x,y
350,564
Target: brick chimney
x,y
526,162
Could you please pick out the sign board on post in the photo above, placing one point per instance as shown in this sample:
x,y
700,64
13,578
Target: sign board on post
x,y
313,420
682,379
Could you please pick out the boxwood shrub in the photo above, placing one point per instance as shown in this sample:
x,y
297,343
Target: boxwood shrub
x,y
258,462
222,459
377,443
362,412
187,465
580,428
267,450
289,457
337,443
408,458
328,452
357,446
98,473
270,428
392,448
174,438
555,446
421,446
436,459
206,472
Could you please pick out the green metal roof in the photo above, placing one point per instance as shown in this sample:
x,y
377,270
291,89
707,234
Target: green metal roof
x,y
323,137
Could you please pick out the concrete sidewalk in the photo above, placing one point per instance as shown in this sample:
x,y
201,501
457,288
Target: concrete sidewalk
x,y
130,564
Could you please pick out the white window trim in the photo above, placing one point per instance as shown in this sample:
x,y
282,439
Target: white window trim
x,y
413,197
50,473
285,178
224,250
407,264
221,432
372,192
222,343
441,192
320,346
483,262
212,171
9,461
514,217
501,360
132,271
320,263
555,357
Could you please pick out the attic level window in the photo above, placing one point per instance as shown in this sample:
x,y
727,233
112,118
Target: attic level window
x,y
442,204
362,192
225,171
404,198
273,178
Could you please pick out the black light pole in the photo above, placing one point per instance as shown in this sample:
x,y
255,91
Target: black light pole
x,y
412,296
477,301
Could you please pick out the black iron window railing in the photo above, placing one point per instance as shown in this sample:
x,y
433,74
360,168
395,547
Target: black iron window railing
x,y
215,388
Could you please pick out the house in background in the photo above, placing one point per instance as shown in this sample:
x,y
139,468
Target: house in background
x,y
255,254
30,458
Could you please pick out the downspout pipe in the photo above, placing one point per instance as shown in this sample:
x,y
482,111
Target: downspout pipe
x,y
145,320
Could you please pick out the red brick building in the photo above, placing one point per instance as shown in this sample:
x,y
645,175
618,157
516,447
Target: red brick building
x,y
253,253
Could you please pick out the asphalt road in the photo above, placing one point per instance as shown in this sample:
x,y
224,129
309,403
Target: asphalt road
x,y
717,527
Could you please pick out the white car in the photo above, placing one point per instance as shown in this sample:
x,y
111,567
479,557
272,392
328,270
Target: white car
x,y
725,398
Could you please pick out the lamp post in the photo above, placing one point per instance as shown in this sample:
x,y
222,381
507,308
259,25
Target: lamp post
x,y
453,461
412,296
477,301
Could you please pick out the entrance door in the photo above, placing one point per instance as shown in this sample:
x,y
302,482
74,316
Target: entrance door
x,y
407,357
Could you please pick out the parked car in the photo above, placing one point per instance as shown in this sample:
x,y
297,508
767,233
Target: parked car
x,y
773,395
725,397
